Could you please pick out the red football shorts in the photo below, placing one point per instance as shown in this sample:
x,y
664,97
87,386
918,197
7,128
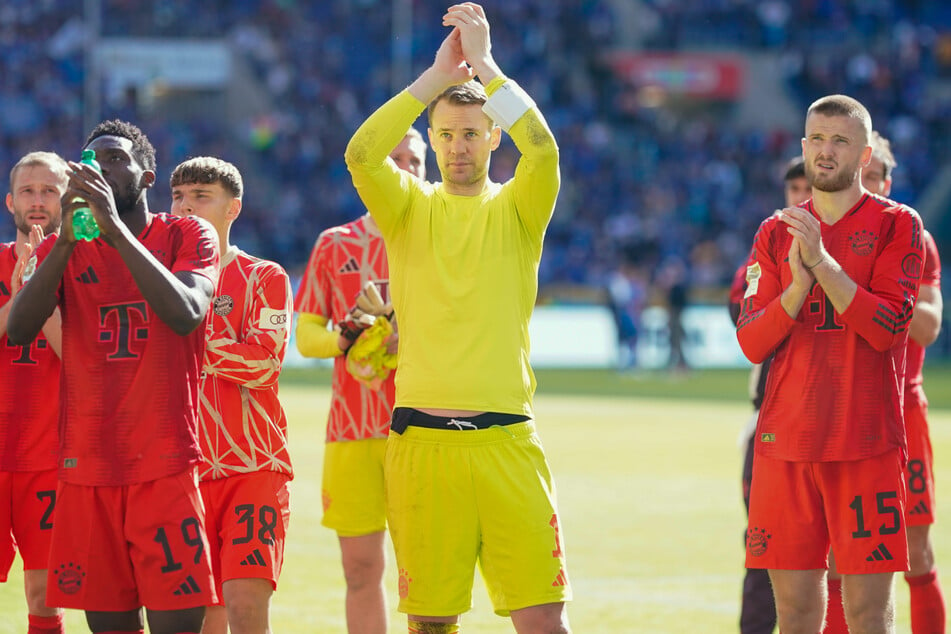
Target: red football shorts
x,y
27,499
799,509
247,517
919,472
120,548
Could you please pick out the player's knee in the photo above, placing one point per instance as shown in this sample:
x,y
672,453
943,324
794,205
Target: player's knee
x,y
35,591
247,602
429,627
363,572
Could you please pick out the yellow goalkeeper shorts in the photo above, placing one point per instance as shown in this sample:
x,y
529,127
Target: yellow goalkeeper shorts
x,y
352,487
455,498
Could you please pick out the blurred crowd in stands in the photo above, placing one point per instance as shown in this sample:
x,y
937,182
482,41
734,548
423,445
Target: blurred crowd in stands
x,y
655,199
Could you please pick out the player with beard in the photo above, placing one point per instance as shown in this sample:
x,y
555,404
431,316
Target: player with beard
x,y
831,289
29,408
927,599
134,302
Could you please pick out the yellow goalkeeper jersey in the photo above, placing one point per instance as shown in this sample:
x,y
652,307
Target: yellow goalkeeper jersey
x,y
463,269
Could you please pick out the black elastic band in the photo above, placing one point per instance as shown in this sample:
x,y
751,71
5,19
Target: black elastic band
x,y
404,417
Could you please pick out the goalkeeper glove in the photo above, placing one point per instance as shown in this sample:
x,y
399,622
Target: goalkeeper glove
x,y
369,305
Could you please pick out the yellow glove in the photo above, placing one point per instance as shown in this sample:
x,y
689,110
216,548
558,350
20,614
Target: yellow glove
x,y
367,359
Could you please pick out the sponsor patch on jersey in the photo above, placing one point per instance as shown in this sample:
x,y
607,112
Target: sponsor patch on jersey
x,y
273,319
753,273
767,437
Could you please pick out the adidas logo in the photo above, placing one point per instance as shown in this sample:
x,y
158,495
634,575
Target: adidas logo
x,y
560,580
254,559
880,554
920,509
88,277
350,266
188,587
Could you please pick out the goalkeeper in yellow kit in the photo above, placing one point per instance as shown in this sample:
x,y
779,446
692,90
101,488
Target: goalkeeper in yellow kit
x,y
465,475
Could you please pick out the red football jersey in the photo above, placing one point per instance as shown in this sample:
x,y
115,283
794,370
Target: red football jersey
x,y
835,387
242,424
343,260
130,384
29,392
914,392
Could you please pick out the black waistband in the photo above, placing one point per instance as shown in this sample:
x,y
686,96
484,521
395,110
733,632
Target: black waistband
x,y
404,417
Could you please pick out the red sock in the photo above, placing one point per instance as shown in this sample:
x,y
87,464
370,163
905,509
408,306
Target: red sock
x,y
46,624
927,603
835,612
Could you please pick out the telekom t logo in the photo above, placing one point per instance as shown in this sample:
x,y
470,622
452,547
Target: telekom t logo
x,y
122,324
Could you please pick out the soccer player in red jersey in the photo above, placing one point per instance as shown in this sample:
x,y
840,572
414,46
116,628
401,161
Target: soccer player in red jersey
x,y
830,292
343,260
927,599
757,605
28,435
130,522
245,470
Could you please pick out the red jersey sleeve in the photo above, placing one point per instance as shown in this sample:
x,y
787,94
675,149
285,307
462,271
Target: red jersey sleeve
x,y
252,356
763,322
932,272
881,313
198,249
316,290
735,296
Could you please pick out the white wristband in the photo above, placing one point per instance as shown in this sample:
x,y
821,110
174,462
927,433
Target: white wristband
x,y
507,105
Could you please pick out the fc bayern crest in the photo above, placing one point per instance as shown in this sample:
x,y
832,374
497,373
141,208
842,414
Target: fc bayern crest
x,y
863,242
224,304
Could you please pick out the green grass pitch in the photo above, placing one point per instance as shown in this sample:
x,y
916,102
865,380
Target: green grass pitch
x,y
647,468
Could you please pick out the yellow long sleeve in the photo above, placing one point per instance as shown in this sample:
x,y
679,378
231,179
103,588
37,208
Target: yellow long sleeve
x,y
313,338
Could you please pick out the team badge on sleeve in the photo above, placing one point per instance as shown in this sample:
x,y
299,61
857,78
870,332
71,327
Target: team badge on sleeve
x,y
753,273
272,319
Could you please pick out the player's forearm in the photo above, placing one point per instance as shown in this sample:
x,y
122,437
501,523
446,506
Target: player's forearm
x,y
838,287
180,300
37,300
881,323
4,313
926,322
382,131
53,331
760,331
793,298
537,174
251,365
429,85
314,339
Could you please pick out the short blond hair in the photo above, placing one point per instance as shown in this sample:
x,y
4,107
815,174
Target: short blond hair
x,y
52,160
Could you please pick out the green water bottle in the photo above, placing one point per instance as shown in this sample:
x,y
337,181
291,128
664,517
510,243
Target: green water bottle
x,y
84,224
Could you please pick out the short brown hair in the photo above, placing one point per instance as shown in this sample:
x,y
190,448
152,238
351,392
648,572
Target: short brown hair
x,y
843,106
470,93
208,170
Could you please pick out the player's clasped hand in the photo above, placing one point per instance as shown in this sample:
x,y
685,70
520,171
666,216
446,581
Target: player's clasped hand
x,y
470,22
804,227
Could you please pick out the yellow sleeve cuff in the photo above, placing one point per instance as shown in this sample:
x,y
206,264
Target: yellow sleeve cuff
x,y
495,84
313,338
